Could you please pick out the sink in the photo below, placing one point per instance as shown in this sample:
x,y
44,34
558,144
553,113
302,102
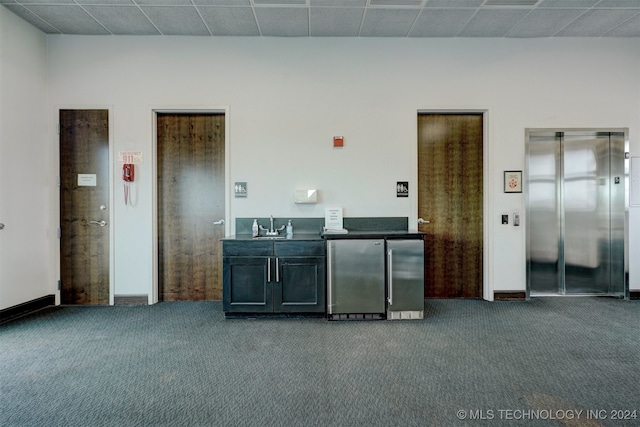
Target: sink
x,y
269,237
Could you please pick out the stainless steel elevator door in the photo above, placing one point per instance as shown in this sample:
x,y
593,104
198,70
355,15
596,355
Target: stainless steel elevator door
x,y
576,207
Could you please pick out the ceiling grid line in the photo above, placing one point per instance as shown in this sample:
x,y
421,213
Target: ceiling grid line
x,y
30,12
255,18
572,21
92,17
413,23
467,23
364,13
148,18
201,18
621,24
519,21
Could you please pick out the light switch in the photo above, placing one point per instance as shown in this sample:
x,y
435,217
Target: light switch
x,y
516,219
505,219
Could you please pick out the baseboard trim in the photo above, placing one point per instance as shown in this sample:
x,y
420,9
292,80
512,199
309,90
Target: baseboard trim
x,y
510,296
26,308
130,300
634,294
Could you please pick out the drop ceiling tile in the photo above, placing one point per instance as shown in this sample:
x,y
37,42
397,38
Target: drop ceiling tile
x,y
395,3
542,22
283,21
630,28
176,20
106,2
335,22
122,20
47,2
338,3
493,22
597,22
164,2
441,22
574,4
381,22
68,19
31,18
453,3
619,3
280,3
222,2
229,21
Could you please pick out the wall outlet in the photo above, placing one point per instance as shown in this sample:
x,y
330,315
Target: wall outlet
x,y
505,219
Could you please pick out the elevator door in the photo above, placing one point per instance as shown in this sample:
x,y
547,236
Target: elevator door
x,y
576,210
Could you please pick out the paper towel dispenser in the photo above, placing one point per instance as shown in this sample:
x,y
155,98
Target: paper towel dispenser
x,y
306,196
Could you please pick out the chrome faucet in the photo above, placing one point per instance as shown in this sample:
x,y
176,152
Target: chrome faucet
x,y
271,231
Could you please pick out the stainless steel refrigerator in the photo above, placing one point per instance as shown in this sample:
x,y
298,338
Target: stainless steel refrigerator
x,y
356,279
405,279
362,284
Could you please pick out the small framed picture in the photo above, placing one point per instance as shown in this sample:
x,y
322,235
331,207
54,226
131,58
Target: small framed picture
x,y
513,181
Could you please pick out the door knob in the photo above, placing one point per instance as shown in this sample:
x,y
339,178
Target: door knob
x,y
422,221
219,222
100,223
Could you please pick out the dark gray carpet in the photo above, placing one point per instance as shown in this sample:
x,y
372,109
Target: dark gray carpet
x,y
538,362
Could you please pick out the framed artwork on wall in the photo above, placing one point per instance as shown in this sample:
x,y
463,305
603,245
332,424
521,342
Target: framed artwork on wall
x,y
513,181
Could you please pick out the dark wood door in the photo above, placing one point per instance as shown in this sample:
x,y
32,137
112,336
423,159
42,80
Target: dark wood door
x,y
191,184
450,176
84,213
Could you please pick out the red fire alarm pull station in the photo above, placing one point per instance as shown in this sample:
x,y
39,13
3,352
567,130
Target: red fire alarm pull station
x,y
338,141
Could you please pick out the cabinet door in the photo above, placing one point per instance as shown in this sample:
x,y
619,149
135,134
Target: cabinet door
x,y
247,285
299,285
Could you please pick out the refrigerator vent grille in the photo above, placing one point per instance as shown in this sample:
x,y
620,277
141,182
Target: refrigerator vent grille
x,y
357,316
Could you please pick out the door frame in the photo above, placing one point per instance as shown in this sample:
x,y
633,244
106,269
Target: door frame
x,y
56,213
625,132
153,295
488,183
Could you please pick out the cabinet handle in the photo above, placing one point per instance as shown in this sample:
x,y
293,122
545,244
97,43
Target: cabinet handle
x,y
277,270
329,278
390,275
268,270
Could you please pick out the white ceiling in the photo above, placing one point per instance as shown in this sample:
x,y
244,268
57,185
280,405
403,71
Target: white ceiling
x,y
334,18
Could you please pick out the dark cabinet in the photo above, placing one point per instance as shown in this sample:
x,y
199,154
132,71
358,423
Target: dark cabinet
x,y
273,277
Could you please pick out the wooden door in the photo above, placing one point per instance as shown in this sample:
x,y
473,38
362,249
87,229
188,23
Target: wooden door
x,y
84,206
191,197
450,198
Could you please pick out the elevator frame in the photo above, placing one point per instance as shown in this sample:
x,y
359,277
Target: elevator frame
x,y
529,132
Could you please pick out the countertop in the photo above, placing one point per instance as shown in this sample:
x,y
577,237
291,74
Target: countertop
x,y
383,234
295,237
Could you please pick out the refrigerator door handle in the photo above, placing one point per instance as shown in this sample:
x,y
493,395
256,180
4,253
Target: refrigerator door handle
x,y
329,277
390,275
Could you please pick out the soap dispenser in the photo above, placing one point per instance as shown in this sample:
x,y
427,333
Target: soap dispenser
x,y
289,229
254,228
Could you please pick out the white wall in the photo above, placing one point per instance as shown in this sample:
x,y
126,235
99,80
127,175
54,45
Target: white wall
x,y
287,98
24,164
